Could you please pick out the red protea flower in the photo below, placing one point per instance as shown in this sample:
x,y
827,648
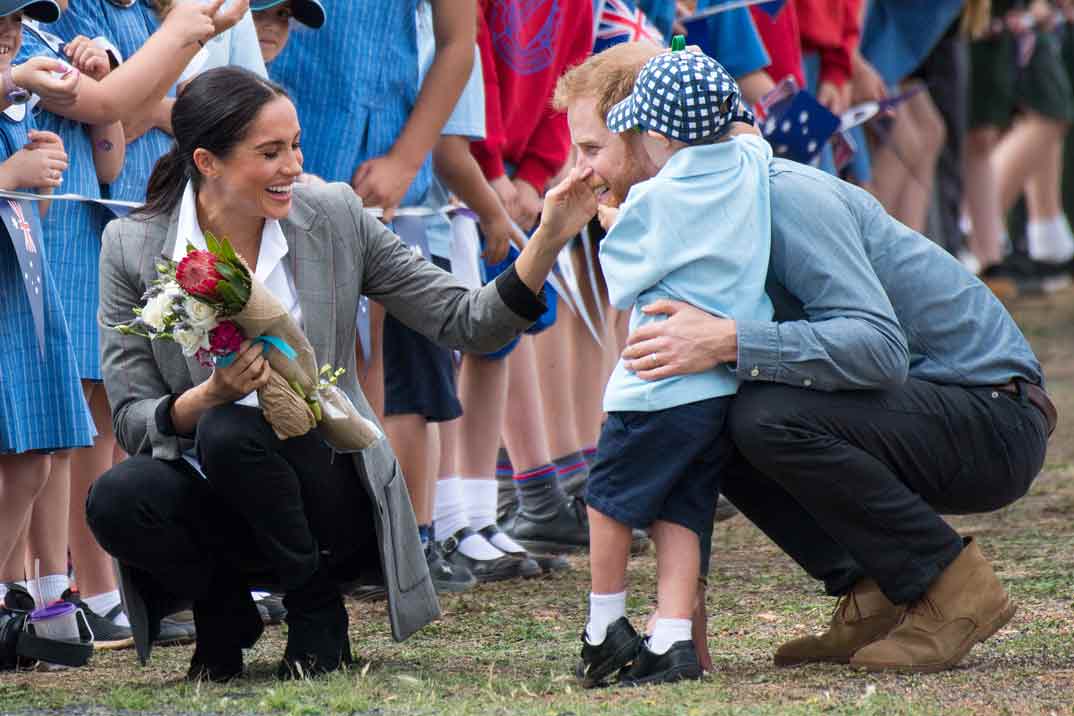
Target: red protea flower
x,y
197,274
225,339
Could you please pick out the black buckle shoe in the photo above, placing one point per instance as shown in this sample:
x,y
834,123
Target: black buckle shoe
x,y
677,664
446,577
484,570
528,566
616,652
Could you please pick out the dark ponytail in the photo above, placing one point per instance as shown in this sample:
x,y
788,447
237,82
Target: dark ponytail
x,y
213,112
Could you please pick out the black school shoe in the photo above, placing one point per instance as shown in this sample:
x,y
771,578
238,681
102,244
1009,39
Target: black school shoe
x,y
106,633
528,566
677,664
484,570
447,578
617,651
271,609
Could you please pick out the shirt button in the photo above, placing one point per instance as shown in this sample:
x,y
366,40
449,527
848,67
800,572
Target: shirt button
x,y
995,394
807,382
755,372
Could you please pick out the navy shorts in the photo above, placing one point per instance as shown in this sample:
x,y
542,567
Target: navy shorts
x,y
419,375
663,465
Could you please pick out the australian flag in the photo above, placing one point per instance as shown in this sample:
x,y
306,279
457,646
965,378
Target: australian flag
x,y
621,21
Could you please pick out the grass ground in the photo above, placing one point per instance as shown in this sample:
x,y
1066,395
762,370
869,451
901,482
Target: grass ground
x,y
510,648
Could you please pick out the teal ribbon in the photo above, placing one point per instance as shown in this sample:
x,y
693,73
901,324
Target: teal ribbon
x,y
266,342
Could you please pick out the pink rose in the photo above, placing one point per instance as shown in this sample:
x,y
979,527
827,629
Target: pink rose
x,y
225,339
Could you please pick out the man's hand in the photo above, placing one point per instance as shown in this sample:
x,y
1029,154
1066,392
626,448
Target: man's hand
x,y
689,341
505,189
89,57
51,80
568,206
529,204
383,182
832,97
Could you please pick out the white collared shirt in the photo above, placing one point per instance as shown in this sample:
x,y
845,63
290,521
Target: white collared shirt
x,y
271,269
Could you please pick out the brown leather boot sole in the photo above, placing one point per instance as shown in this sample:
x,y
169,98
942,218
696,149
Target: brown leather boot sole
x,y
982,633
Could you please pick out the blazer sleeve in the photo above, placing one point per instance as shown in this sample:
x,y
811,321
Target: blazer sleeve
x,y
136,389
432,301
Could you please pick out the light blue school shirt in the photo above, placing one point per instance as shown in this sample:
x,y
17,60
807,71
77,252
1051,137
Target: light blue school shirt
x,y
862,301
354,83
699,232
466,120
735,41
238,46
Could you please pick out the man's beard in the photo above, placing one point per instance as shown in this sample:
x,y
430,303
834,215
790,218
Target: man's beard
x,y
634,172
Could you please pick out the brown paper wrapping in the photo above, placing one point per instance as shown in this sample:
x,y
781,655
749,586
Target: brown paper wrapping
x,y
286,411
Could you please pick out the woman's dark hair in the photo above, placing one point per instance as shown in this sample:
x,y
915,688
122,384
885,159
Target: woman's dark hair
x,y
214,112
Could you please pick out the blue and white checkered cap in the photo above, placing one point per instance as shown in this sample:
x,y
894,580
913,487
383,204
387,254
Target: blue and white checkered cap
x,y
683,95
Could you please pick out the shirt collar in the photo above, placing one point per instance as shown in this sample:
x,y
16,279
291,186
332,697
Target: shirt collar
x,y
702,159
273,242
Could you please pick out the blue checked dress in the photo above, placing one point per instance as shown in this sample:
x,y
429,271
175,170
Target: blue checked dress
x,y
41,402
354,83
72,230
128,28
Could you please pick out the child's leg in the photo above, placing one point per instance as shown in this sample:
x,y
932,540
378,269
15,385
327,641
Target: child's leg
x,y
48,532
678,559
1021,151
22,477
609,550
1047,232
982,196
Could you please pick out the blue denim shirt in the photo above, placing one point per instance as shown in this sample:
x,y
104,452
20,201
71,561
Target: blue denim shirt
x,y
861,301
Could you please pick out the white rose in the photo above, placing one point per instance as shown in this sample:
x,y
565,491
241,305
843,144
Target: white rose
x,y
200,316
173,290
191,340
156,309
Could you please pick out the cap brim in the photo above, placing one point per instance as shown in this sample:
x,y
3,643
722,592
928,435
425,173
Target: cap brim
x,y
622,116
40,10
308,12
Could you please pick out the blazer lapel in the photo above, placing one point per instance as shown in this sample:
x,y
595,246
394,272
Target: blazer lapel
x,y
312,268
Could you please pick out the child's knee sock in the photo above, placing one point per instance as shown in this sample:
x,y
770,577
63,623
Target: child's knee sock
x,y
1050,240
668,631
539,492
572,470
604,610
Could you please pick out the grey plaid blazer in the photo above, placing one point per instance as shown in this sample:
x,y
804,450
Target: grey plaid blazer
x,y
336,252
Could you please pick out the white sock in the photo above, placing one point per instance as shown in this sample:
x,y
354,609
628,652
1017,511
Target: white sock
x,y
449,508
477,547
1050,240
667,632
52,588
3,591
258,596
101,604
604,610
480,496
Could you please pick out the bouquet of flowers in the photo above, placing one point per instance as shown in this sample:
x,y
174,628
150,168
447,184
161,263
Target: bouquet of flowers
x,y
209,302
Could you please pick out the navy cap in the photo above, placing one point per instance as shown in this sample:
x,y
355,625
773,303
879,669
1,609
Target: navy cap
x,y
309,12
683,95
40,10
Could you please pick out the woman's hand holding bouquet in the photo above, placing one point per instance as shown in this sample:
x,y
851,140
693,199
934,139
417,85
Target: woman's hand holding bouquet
x,y
210,304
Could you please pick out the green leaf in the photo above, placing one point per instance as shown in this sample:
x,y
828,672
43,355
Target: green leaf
x,y
190,247
225,270
211,243
316,408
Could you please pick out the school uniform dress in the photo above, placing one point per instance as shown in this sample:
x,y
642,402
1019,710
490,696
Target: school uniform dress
x,y
41,401
72,229
663,447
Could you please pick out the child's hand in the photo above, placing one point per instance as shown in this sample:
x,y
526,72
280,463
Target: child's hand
x,y
497,230
508,194
41,163
832,97
529,204
89,57
607,216
51,80
383,182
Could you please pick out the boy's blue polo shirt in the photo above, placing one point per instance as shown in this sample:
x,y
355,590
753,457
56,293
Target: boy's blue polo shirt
x,y
354,83
699,232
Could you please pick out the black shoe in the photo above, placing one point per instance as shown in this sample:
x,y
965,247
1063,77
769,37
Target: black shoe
x,y
528,566
15,611
563,530
724,509
271,609
145,605
177,629
447,577
218,668
484,570
574,485
617,651
106,634
317,640
677,664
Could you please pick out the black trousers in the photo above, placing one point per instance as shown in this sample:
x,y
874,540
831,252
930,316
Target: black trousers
x,y
277,512
851,484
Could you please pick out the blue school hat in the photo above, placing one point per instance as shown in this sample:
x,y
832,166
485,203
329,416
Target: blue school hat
x,y
40,10
309,12
683,95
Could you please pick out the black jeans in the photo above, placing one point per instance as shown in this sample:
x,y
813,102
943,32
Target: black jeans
x,y
851,484
277,512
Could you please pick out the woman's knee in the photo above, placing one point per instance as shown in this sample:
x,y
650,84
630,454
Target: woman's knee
x,y
225,431
113,498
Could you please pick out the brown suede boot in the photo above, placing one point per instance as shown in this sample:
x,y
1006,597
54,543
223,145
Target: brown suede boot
x,y
862,616
965,605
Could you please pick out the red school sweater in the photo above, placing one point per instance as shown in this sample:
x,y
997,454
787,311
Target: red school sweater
x,y
780,36
526,45
830,28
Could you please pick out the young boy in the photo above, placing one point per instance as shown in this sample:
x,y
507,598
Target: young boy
x,y
272,19
699,231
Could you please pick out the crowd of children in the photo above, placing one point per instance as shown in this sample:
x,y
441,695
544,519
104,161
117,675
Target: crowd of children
x,y
425,106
